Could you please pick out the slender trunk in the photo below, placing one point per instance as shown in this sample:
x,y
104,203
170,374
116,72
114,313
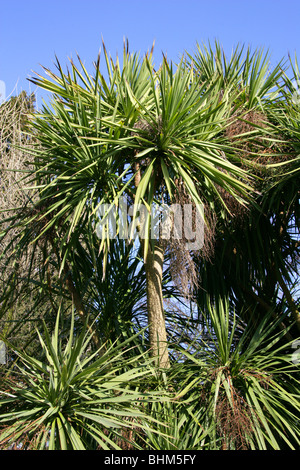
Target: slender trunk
x,y
156,317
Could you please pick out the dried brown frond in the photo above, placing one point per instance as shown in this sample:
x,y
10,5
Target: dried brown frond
x,y
234,416
240,130
182,268
255,148
182,197
208,249
182,260
234,421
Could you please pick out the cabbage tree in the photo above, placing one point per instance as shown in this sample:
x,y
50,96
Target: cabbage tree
x,y
153,135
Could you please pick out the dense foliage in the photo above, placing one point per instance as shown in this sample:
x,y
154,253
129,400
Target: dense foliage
x,y
85,317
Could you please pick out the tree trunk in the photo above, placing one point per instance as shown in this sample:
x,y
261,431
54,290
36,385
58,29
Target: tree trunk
x,y
156,317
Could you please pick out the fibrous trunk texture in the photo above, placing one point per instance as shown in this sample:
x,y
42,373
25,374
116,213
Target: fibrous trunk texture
x,y
156,317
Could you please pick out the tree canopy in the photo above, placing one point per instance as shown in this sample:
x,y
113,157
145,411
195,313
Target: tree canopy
x,y
211,330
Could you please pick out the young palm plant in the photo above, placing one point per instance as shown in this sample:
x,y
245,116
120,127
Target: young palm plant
x,y
73,398
245,384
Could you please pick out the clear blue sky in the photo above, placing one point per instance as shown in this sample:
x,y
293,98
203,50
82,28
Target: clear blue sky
x,y
33,31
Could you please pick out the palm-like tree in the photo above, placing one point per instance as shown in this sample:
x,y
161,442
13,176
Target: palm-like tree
x,y
150,135
255,252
